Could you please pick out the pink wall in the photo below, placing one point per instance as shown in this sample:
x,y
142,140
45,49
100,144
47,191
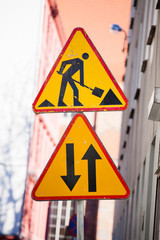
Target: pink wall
x,y
45,131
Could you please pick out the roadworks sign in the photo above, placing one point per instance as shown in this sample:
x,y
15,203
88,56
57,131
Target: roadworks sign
x,y
79,81
80,168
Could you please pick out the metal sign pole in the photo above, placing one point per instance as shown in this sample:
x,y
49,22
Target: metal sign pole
x,y
80,220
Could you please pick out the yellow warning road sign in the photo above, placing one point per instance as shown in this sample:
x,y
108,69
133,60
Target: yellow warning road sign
x,y
79,81
80,168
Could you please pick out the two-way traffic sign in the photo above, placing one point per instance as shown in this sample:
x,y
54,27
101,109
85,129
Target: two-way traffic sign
x,y
80,168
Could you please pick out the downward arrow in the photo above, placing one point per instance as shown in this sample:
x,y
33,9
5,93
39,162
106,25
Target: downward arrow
x,y
71,179
91,155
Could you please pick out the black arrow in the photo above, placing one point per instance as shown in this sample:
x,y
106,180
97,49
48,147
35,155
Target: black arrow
x,y
71,179
91,155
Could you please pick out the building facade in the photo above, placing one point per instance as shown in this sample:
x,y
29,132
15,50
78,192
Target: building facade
x,y
138,217
46,220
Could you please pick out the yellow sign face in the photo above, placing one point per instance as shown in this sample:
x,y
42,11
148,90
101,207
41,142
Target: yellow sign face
x,y
80,168
79,81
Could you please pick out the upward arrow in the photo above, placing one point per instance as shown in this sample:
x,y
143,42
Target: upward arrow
x,y
91,155
71,179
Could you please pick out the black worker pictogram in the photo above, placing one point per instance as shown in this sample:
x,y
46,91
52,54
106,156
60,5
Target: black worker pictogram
x,y
76,65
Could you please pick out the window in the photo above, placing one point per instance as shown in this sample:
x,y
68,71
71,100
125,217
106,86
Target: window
x,y
156,235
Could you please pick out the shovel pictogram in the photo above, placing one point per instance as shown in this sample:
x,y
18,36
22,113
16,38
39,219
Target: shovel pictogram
x,y
96,91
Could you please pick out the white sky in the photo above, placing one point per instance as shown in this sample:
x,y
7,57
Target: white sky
x,y
20,29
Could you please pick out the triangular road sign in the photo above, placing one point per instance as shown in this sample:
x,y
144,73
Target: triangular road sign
x,y
80,168
79,81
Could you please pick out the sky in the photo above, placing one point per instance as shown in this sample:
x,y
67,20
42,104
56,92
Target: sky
x,y
20,24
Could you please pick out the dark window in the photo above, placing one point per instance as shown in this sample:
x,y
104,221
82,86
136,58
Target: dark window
x,y
156,234
135,3
131,113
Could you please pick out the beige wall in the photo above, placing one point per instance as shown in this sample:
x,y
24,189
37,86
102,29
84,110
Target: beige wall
x,y
140,156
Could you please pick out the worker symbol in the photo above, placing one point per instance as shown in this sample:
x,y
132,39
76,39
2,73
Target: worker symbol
x,y
76,65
